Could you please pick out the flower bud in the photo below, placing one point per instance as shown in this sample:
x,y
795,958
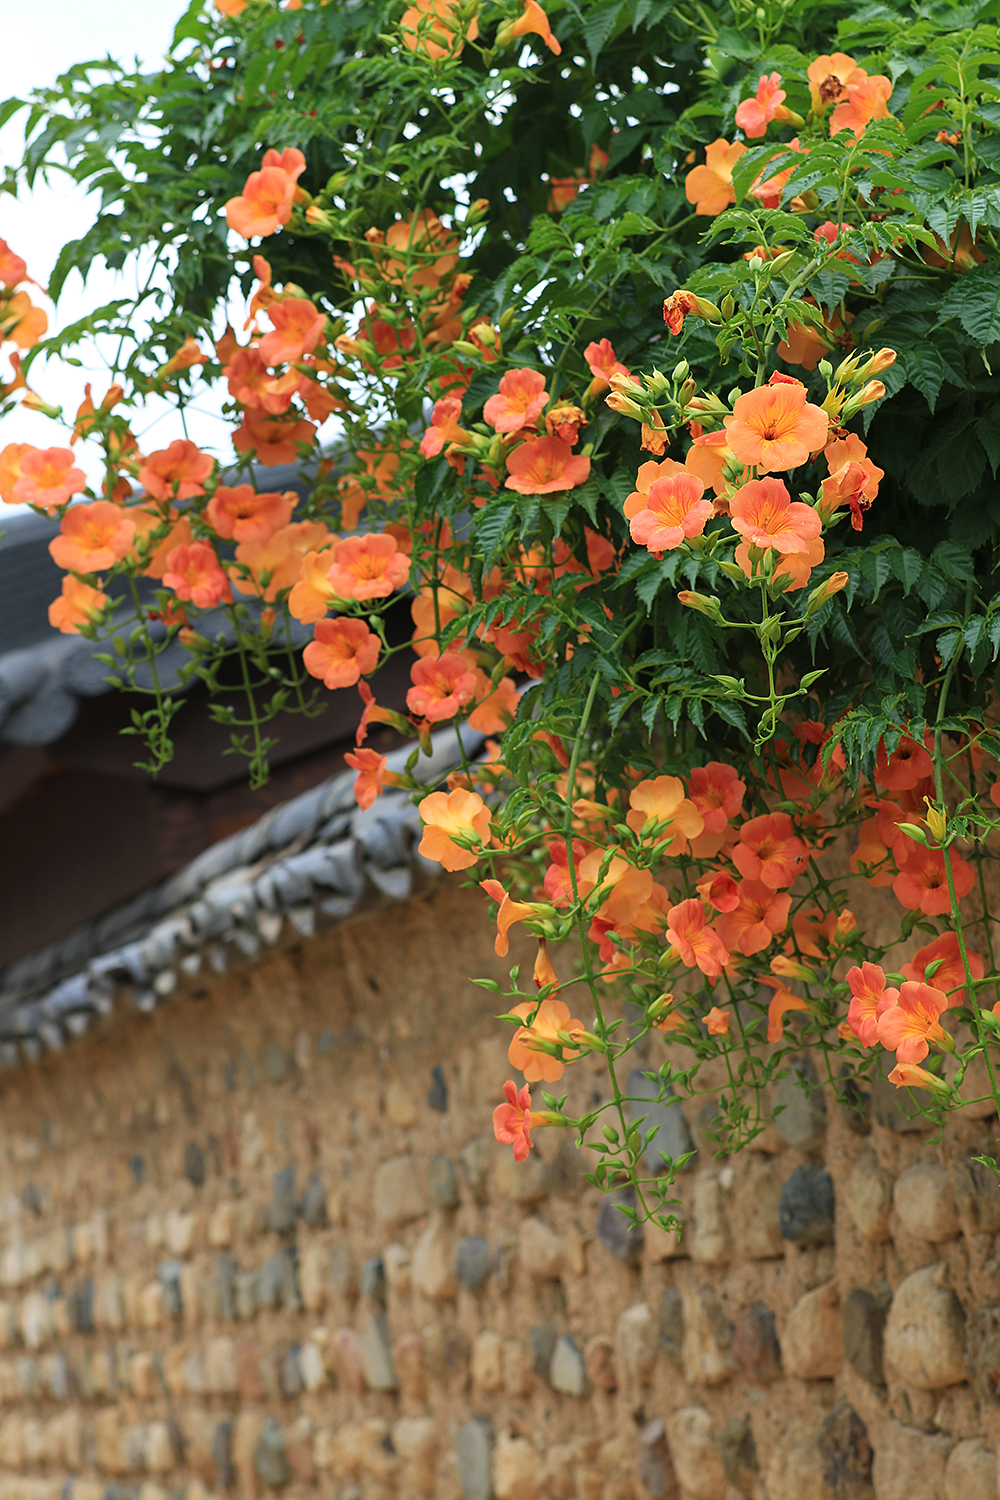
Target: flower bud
x,y
880,362
728,306
705,604
873,391
825,591
826,370
657,384
779,262
756,264
624,406
913,831
680,372
34,402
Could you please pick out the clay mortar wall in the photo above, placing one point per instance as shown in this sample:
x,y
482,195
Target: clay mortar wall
x,y
262,1242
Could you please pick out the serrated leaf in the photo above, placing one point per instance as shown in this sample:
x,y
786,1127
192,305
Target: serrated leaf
x,y
598,28
975,301
492,526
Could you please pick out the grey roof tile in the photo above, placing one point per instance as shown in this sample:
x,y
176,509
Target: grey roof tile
x,y
310,862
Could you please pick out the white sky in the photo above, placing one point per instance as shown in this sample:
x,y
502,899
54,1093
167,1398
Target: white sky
x,y
46,37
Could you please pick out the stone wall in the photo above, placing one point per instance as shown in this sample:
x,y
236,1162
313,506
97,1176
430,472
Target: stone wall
x,y
263,1241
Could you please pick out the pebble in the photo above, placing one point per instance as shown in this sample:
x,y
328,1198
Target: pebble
x,y
515,1468
343,1273
437,1094
977,1197
925,1332
846,1453
521,1181
621,1236
442,1182
372,1280
868,1198
244,1292
738,1452
375,1354
433,1262
314,1208
400,1106
277,1282
796,1468
290,1381
693,1448
801,1122
971,1472
673,1137
755,1346
542,1341
275,1063
711,1241
812,1341
222,1454
755,1211
925,1202
863,1323
706,1351
567,1370
283,1201
806,1207
474,1443
472,1263
270,1456
487,1361
474,1161
636,1344
909,1464
397,1193
670,1322
194,1164
653,1461
540,1250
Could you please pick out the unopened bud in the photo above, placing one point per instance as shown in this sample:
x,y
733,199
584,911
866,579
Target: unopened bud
x,y
873,391
913,831
656,384
705,604
880,362
728,306
680,372
505,320
825,591
826,370
624,406
756,264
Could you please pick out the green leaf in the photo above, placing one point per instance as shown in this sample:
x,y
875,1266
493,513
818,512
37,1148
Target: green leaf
x,y
975,301
731,713
598,28
734,44
988,433
907,564
492,526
